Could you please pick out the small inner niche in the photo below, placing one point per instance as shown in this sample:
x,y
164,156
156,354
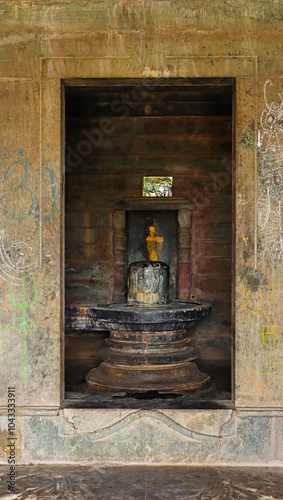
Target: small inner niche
x,y
165,225
119,132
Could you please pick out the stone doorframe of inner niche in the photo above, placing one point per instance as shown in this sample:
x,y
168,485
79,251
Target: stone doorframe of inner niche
x,y
184,209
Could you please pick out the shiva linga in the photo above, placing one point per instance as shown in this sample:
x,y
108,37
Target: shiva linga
x,y
149,348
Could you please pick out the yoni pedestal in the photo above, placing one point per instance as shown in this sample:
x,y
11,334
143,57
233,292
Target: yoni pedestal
x,y
149,347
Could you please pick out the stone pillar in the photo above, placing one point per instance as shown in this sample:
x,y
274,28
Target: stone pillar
x,y
184,221
119,224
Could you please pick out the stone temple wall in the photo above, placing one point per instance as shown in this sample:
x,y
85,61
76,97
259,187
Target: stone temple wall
x,y
45,42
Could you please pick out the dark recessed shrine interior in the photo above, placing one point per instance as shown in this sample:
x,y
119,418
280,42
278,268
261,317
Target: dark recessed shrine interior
x,y
116,133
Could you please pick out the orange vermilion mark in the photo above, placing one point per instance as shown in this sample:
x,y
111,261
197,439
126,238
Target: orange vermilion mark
x,y
154,244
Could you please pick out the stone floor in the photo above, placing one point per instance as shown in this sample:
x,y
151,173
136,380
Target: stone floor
x,y
65,482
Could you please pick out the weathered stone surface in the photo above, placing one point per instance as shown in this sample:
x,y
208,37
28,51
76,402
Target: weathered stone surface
x,y
139,436
43,42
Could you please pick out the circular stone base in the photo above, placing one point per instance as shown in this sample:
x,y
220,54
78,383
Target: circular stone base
x,y
148,349
176,378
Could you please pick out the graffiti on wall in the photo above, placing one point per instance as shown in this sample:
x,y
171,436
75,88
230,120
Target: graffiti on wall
x,y
24,323
3,295
15,263
16,278
266,303
270,149
20,199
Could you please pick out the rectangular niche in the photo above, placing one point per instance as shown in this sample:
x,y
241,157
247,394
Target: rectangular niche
x,y
118,132
166,225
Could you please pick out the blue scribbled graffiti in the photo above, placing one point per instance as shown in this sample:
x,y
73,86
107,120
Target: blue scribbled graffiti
x,y
22,186
53,191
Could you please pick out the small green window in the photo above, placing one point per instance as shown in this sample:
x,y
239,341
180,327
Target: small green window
x,y
157,186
